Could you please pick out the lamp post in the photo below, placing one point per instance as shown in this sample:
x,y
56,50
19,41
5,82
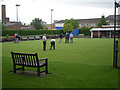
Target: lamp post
x,y
51,21
116,5
17,5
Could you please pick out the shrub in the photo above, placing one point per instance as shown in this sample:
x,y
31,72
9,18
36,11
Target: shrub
x,y
85,30
30,32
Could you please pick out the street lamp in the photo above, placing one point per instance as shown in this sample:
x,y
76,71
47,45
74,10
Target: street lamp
x,y
17,5
116,5
51,21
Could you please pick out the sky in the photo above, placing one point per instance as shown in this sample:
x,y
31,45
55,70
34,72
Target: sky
x,y
63,9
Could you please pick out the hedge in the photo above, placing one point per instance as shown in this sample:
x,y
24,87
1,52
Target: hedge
x,y
30,32
85,30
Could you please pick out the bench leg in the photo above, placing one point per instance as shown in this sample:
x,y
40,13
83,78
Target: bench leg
x,y
22,67
46,68
38,71
14,68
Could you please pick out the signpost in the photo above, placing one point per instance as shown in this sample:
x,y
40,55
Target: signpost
x,y
116,5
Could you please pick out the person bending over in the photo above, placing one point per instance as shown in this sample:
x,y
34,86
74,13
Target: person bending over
x,y
52,44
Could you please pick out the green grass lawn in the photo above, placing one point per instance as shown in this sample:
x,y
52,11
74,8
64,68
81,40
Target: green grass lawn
x,y
87,63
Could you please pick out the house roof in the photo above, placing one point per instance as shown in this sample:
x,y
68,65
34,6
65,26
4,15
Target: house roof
x,y
104,29
11,23
111,17
92,20
109,25
61,21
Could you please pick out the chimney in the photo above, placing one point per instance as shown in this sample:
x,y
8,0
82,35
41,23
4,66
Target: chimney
x,y
3,13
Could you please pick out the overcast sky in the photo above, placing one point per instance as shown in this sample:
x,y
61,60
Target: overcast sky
x,y
63,9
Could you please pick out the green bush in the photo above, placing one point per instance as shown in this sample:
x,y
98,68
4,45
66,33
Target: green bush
x,y
85,30
30,32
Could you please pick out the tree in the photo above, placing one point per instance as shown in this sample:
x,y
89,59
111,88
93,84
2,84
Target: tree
x,y
102,22
37,23
67,26
74,23
67,21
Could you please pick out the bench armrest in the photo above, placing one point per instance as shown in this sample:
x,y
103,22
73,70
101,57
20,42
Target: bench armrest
x,y
43,59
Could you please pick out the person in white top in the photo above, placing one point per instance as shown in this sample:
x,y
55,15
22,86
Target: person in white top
x,y
44,42
71,37
52,44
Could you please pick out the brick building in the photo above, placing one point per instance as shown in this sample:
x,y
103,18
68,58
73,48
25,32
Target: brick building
x,y
4,18
12,24
92,22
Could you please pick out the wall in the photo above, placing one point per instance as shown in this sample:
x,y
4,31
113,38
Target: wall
x,y
59,24
75,31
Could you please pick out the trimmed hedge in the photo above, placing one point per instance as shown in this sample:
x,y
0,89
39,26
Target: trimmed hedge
x,y
85,30
30,32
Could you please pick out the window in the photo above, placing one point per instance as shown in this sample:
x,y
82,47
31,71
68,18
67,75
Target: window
x,y
107,21
93,24
80,24
86,24
111,23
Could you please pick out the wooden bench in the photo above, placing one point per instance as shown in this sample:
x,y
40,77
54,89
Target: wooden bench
x,y
8,39
29,60
24,38
31,38
37,37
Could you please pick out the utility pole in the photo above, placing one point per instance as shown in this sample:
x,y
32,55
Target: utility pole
x,y
51,21
17,15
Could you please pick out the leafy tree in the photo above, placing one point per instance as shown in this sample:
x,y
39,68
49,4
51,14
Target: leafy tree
x,y
67,21
37,23
74,23
67,26
102,22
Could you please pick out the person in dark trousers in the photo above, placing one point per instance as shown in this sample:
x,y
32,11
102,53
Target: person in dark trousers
x,y
16,38
44,42
66,37
60,38
52,44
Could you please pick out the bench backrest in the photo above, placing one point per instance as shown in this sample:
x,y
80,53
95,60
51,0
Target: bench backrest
x,y
24,58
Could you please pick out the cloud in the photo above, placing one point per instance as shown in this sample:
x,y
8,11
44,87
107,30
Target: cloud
x,y
94,4
77,9
89,3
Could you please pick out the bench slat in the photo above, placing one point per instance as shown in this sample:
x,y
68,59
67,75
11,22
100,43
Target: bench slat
x,y
34,61
31,60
